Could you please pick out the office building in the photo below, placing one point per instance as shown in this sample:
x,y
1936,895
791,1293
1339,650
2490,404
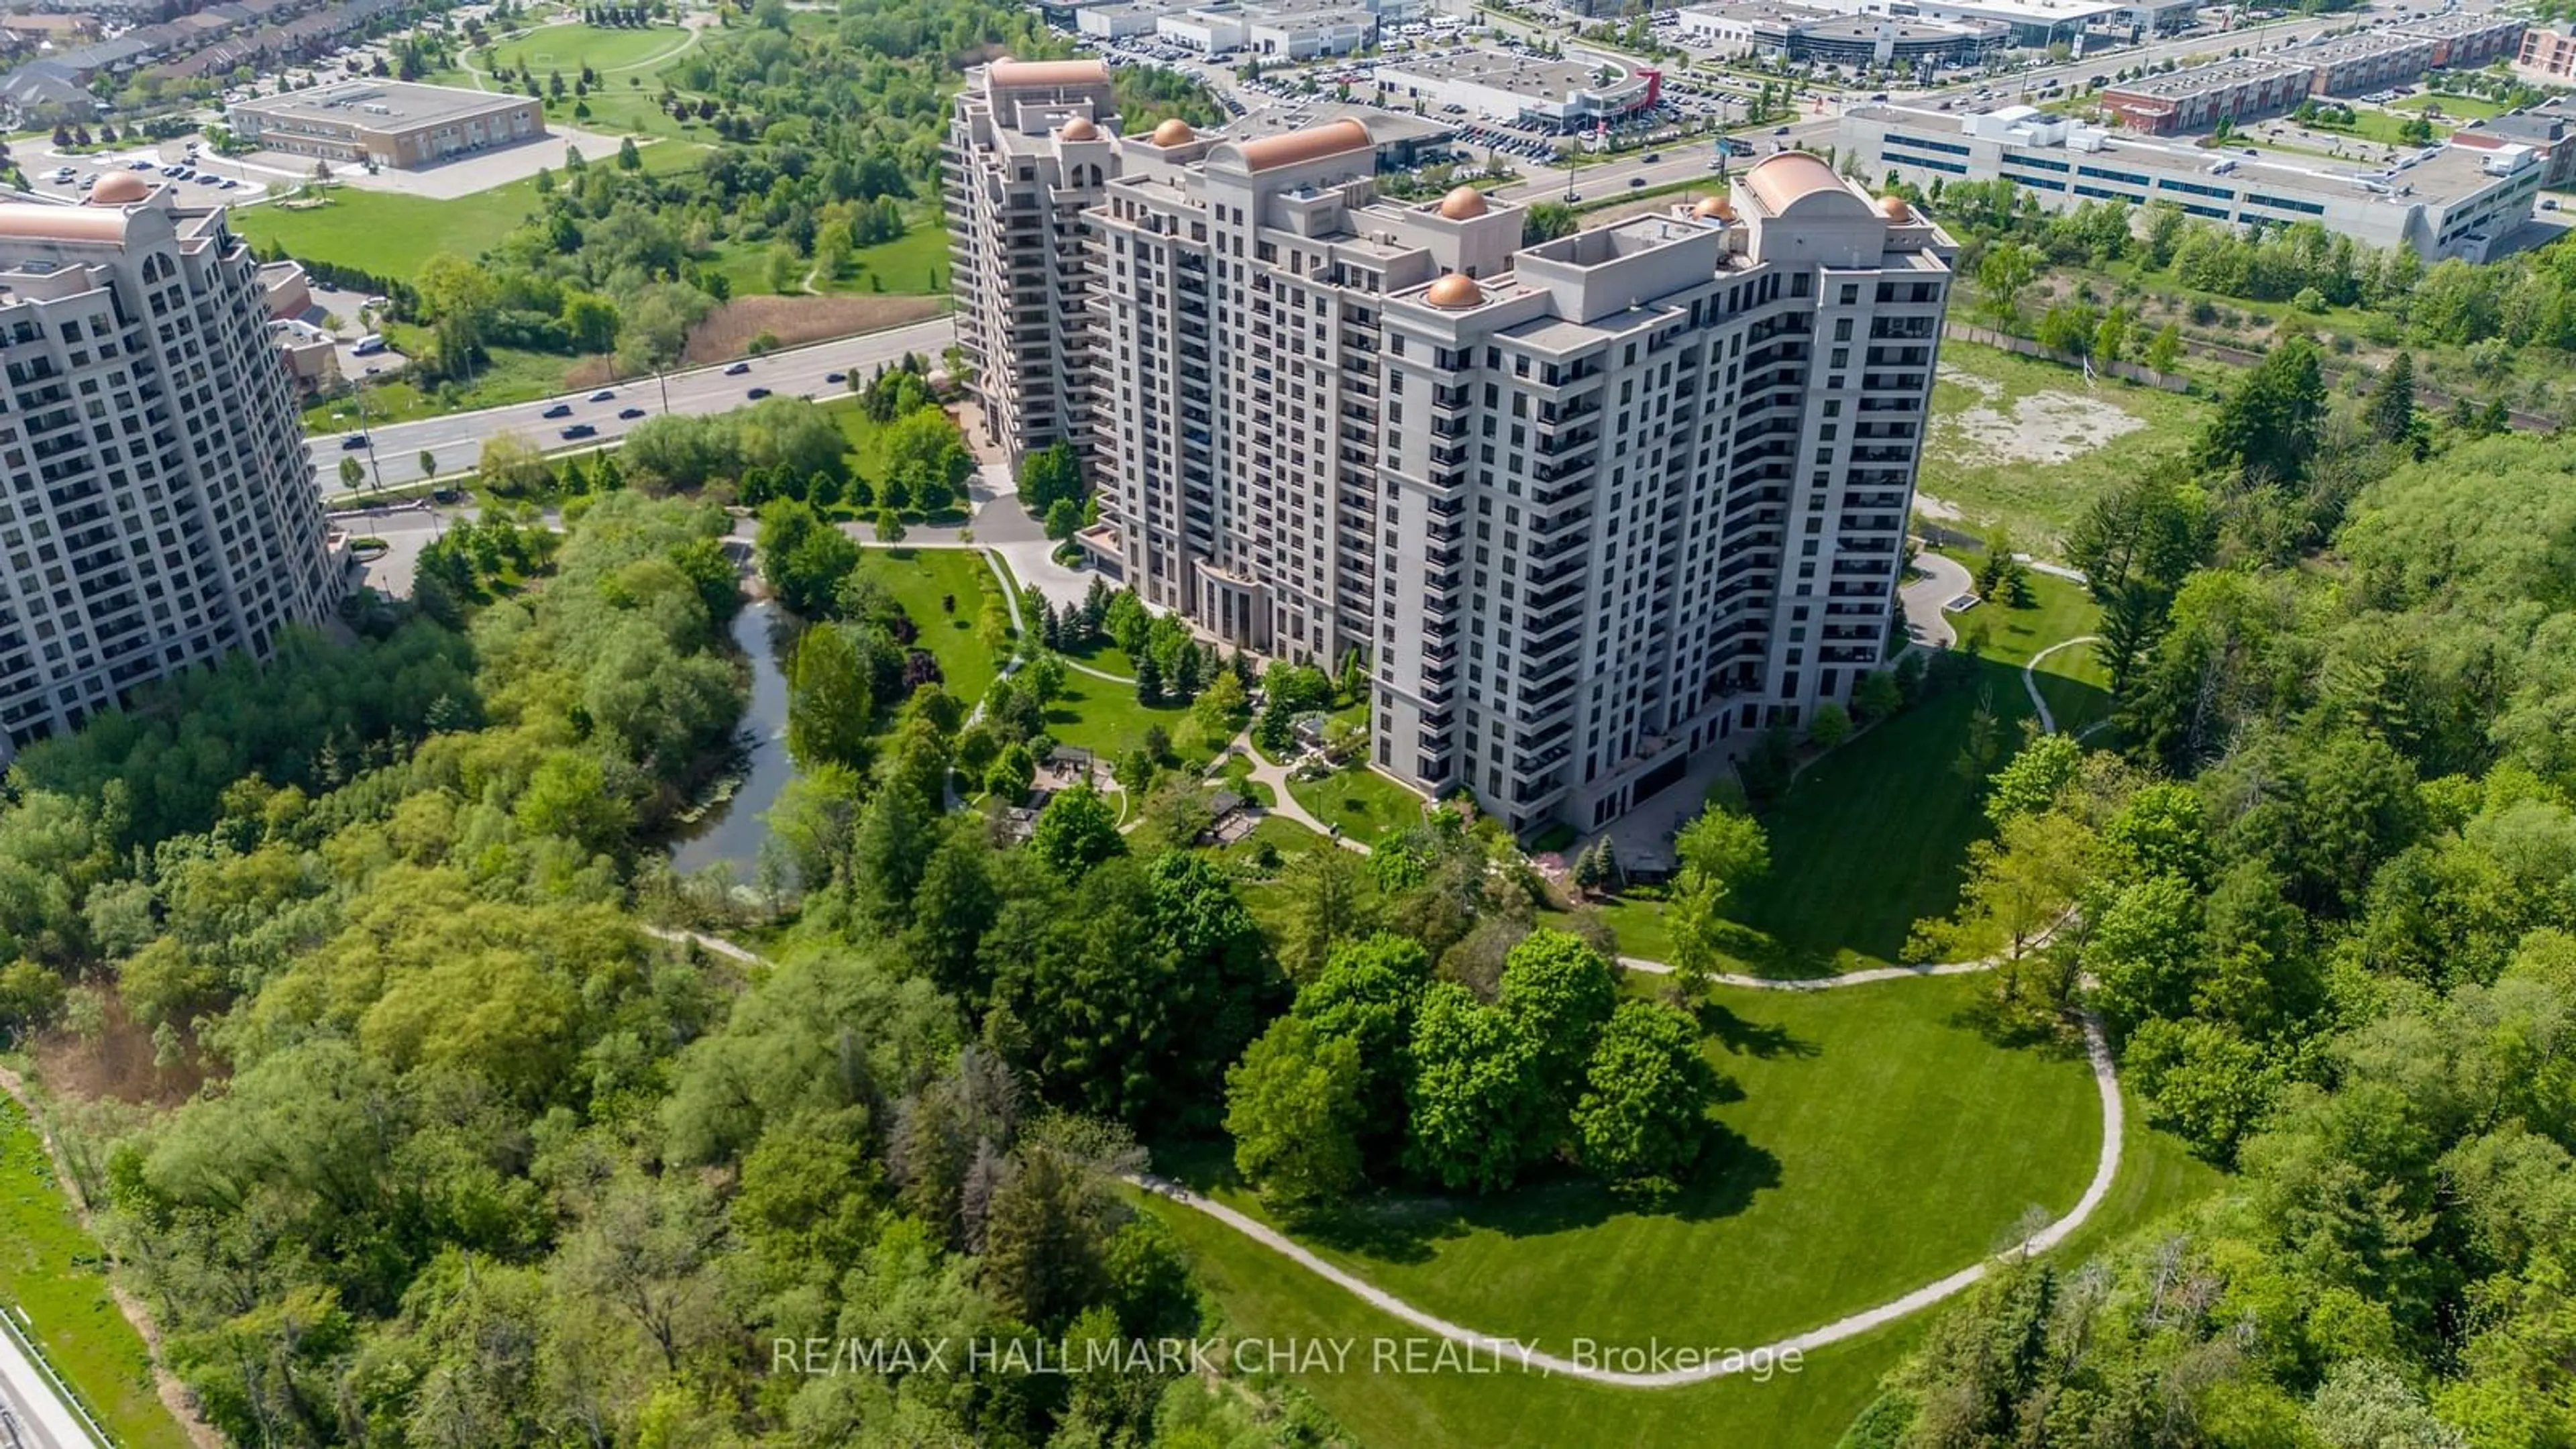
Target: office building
x,y
1800,33
1589,508
1575,94
386,123
1029,146
2460,200
160,510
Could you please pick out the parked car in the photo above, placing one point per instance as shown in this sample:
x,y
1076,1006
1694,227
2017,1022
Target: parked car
x,y
559,410
738,369
580,430
605,394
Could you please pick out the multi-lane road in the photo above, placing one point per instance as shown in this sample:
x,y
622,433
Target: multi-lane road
x,y
455,440
32,1416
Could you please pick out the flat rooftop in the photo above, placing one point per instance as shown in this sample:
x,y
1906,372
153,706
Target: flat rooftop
x,y
2436,174
2202,79
357,103
2035,12
1546,80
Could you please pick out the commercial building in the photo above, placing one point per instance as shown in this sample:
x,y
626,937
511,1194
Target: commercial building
x,y
2246,88
2548,52
2033,23
1590,508
160,509
1574,94
1292,29
387,123
1799,33
2442,201
1029,146
2548,128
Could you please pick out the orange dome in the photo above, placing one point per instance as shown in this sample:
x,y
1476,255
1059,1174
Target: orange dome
x,y
1174,132
1715,208
1455,290
1462,202
1894,208
119,188
1080,129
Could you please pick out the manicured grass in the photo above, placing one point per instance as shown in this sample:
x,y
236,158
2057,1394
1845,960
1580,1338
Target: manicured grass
x,y
1874,836
2464,108
1105,718
568,48
1881,1141
53,1270
1263,1295
919,579
1360,800
913,263
2038,501
391,235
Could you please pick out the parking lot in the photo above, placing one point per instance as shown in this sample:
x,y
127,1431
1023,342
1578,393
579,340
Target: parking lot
x,y
214,178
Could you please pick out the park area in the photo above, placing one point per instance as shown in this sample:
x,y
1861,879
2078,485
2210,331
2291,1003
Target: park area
x,y
2026,445
1850,1113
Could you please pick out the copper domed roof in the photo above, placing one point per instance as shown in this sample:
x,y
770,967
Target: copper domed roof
x,y
1455,290
1894,208
119,188
1174,132
1463,202
1715,208
1080,129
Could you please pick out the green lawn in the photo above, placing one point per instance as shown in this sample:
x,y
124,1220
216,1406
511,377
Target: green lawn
x,y
913,263
390,234
1262,1295
1874,835
53,1270
2463,108
1995,413
919,579
1880,1142
509,375
1363,802
568,48
1107,719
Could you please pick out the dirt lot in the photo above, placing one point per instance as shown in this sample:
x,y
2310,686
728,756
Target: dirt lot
x,y
728,330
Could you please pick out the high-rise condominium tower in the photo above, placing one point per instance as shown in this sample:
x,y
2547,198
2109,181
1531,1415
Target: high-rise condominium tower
x,y
1589,507
160,509
1028,149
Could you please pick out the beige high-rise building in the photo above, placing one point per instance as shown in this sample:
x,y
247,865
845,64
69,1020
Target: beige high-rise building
x,y
1590,508
1028,150
160,509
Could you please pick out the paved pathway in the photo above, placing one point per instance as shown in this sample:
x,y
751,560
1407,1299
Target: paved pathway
x,y
1944,578
2030,682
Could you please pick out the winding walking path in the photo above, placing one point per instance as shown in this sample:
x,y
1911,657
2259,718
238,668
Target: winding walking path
x,y
2030,682
2106,1171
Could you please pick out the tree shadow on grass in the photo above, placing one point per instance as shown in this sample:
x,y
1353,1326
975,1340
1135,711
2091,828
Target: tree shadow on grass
x,y
1743,1036
1406,1227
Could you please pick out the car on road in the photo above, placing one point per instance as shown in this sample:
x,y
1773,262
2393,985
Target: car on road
x,y
1636,181
756,393
738,369
836,377
1779,130
228,184
1654,156
578,431
630,414
353,442
559,410
1572,197
605,394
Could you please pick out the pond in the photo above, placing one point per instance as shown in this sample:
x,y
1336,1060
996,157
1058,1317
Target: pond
x,y
732,829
